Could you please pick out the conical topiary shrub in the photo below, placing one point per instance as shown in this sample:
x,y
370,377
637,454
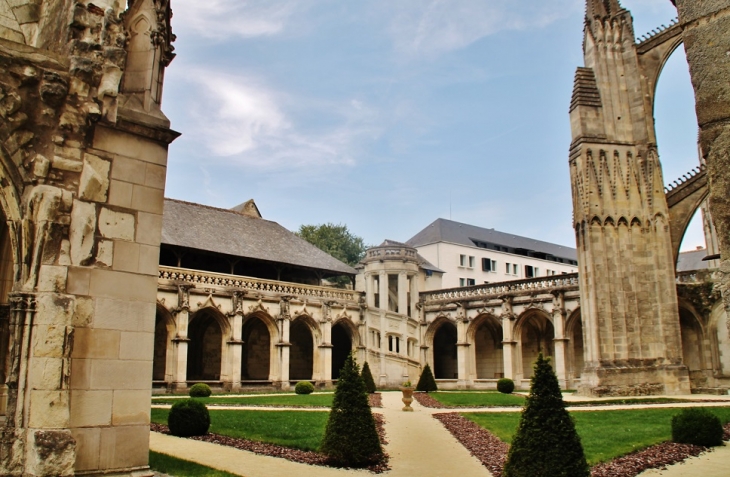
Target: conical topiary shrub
x,y
367,378
351,438
426,382
546,443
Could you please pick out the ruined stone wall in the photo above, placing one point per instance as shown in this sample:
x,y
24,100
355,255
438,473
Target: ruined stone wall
x,y
705,32
82,174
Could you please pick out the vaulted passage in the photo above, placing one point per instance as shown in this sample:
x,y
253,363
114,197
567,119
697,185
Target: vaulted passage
x,y
159,360
301,354
444,352
204,348
256,355
691,341
488,349
537,336
575,349
341,347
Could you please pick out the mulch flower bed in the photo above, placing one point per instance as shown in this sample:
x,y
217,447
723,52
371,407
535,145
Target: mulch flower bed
x,y
376,400
492,452
273,450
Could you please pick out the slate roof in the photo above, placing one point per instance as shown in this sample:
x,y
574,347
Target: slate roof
x,y
422,262
689,261
442,230
228,232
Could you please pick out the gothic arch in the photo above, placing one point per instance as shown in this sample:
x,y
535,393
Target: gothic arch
x,y
304,337
575,350
208,331
165,331
344,339
259,333
486,354
534,333
441,337
719,332
694,346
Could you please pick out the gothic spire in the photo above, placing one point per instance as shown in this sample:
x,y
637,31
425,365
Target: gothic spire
x,y
602,8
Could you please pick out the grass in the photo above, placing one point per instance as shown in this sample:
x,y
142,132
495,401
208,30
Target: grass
x,y
183,468
622,401
482,399
604,434
296,429
289,400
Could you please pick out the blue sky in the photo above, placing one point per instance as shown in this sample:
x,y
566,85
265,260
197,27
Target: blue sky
x,y
387,115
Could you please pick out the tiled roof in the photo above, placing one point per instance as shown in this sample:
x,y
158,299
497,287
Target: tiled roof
x,y
442,230
228,232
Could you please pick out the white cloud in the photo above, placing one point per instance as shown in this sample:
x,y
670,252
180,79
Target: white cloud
x,y
221,19
432,27
243,120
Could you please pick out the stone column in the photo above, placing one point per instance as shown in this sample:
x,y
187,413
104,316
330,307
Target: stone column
x,y
402,293
705,28
235,350
326,352
370,289
559,340
414,296
383,292
462,353
508,343
284,347
180,350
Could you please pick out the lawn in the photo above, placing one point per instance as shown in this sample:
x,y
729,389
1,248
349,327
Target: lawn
x,y
604,434
297,429
182,468
288,400
480,399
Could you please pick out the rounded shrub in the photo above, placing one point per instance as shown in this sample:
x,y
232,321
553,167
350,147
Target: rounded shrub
x,y
304,387
505,386
697,426
188,417
200,390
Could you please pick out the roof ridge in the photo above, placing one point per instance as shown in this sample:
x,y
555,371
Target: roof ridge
x,y
220,209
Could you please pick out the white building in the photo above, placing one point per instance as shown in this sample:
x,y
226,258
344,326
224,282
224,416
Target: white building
x,y
471,255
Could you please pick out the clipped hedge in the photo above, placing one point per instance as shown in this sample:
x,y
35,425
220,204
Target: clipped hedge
x,y
188,417
697,426
200,390
304,387
426,382
505,386
367,378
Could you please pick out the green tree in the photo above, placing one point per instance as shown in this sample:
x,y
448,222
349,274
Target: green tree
x,y
546,443
426,382
367,378
335,240
351,438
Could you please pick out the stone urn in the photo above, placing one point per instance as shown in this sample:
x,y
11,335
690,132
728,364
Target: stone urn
x,y
407,397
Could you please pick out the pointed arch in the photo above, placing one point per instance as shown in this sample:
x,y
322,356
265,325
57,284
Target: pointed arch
x,y
575,352
304,336
487,357
208,330
344,337
165,331
442,336
534,333
259,333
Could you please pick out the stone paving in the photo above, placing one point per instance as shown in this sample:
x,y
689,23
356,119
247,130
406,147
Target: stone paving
x,y
417,445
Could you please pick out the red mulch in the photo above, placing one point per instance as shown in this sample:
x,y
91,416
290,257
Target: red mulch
x,y
294,455
376,400
427,401
492,452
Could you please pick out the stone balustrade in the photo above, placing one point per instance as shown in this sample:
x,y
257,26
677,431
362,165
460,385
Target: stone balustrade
x,y
198,277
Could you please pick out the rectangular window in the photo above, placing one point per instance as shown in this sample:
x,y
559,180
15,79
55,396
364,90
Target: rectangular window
x,y
471,261
390,343
397,345
529,271
470,282
515,270
462,260
489,265
537,272
462,282
508,268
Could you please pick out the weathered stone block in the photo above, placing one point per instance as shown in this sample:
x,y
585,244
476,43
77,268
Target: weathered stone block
x,y
117,225
124,446
118,374
94,343
147,199
124,315
149,228
129,407
81,233
48,409
126,256
111,284
129,145
136,345
120,193
91,408
94,182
